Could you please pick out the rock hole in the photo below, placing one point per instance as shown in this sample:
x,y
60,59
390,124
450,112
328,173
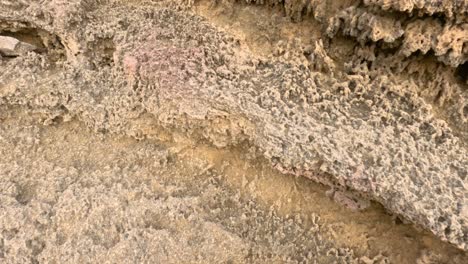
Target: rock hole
x,y
36,246
447,231
398,221
25,194
438,96
43,41
352,85
2,248
462,72
102,53
30,36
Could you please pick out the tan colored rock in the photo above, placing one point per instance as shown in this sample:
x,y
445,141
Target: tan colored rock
x,y
363,128
448,7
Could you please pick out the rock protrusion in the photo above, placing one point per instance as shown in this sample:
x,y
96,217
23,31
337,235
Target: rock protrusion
x,y
11,47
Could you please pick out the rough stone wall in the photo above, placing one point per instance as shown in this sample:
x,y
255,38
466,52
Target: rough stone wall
x,y
354,127
87,197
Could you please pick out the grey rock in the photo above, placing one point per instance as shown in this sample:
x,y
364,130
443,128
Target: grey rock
x,y
12,47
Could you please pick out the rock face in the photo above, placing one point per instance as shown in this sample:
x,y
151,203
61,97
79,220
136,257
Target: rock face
x,y
377,123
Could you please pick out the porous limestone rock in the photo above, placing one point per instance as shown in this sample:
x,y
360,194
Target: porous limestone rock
x,y
361,129
448,7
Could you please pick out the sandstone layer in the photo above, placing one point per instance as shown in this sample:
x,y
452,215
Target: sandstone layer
x,y
373,104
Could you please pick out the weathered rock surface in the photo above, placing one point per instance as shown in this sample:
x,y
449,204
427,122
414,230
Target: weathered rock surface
x,y
365,124
450,8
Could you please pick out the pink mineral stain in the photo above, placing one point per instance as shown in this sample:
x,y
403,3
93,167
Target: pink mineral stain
x,y
169,68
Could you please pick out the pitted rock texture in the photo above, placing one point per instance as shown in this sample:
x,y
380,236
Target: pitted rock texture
x,y
449,8
354,125
70,195
101,199
447,40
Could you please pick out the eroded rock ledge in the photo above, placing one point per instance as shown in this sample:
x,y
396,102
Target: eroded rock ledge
x,y
122,69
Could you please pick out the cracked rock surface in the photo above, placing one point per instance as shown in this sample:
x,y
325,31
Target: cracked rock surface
x,y
374,105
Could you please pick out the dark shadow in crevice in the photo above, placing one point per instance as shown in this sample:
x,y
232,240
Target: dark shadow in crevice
x,y
462,72
45,41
